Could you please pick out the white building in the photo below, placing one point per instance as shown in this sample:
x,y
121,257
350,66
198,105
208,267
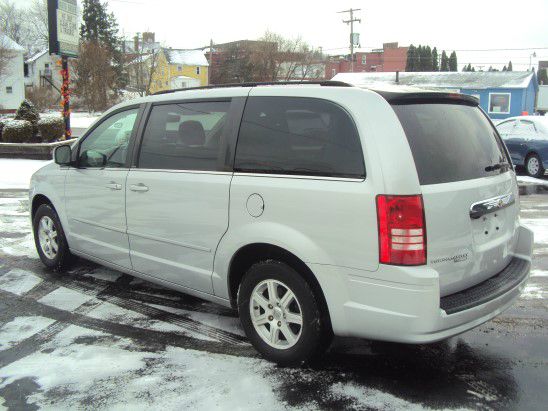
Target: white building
x,y
12,83
40,68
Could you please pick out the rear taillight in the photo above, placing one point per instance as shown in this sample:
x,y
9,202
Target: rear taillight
x,y
402,230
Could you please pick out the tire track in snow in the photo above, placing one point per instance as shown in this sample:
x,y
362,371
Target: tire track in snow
x,y
151,339
139,292
110,293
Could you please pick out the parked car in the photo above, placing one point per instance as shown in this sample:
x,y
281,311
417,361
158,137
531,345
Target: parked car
x,y
313,209
527,141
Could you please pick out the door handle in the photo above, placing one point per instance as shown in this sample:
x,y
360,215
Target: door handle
x,y
138,187
113,186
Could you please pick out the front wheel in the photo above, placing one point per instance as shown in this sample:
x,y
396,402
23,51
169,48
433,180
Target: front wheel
x,y
533,166
280,313
50,239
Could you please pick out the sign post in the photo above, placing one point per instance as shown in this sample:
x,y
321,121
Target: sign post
x,y
63,41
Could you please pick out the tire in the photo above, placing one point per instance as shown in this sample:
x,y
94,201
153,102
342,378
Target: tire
x,y
46,219
533,166
289,343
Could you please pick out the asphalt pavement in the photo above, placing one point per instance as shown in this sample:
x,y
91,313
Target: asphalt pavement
x,y
95,338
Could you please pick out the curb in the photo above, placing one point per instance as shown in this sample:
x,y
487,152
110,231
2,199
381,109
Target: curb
x,y
31,151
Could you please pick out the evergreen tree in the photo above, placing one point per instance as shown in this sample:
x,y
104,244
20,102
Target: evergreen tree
x,y
426,59
102,28
418,60
435,62
453,66
504,68
510,65
411,58
444,66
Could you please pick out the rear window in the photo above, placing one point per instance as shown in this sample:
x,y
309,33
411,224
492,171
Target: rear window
x,y
451,142
297,135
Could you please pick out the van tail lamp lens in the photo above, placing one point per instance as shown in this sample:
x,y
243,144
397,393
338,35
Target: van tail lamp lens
x,y
402,230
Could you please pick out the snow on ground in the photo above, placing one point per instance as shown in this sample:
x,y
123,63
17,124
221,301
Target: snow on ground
x,y
532,180
18,281
21,328
83,120
16,172
539,227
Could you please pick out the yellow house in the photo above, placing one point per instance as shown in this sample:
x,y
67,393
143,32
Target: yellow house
x,y
176,68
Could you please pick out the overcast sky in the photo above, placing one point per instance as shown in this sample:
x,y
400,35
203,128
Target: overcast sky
x,y
451,25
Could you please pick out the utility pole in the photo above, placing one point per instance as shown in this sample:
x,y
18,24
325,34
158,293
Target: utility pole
x,y
351,22
210,68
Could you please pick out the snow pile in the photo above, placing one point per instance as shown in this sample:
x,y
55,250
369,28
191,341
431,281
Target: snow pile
x,y
16,173
531,180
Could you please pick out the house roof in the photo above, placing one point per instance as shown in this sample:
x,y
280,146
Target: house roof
x,y
10,44
468,80
186,57
36,56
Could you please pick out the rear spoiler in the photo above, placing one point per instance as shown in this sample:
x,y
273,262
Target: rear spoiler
x,y
427,97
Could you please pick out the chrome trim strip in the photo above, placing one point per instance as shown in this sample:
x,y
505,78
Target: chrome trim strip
x,y
158,170
491,205
299,177
106,227
172,242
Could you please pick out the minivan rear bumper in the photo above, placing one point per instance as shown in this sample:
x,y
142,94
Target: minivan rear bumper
x,y
403,304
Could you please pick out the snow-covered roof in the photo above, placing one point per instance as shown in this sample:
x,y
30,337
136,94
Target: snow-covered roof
x,y
469,80
10,44
186,57
36,56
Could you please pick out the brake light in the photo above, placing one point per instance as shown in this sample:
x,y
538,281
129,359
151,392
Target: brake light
x,y
402,230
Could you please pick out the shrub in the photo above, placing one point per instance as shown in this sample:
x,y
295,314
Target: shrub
x,y
51,128
17,131
27,111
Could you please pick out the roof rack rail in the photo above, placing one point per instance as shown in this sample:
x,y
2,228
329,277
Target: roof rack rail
x,y
325,83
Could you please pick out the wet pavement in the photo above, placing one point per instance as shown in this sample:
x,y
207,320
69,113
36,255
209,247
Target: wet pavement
x,y
96,338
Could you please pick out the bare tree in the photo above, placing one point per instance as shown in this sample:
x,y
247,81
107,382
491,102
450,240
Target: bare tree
x,y
13,22
38,19
94,76
279,58
26,26
141,69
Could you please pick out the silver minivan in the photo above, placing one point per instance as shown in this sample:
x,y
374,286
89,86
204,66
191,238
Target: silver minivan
x,y
313,209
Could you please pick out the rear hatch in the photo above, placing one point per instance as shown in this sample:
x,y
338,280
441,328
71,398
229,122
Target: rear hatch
x,y
468,187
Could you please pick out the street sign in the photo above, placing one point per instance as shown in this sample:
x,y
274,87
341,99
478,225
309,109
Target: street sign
x,y
63,27
355,39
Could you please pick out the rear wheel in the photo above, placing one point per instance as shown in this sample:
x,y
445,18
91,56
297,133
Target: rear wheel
x,y
533,166
281,314
50,239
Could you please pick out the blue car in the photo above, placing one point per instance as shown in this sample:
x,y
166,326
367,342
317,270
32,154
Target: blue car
x,y
527,140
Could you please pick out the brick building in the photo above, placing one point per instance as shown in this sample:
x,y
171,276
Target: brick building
x,y
390,58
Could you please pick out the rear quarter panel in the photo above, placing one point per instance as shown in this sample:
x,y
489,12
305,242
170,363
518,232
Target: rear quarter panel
x,y
323,221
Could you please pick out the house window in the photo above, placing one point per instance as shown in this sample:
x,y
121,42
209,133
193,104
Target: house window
x,y
9,90
333,72
499,103
198,70
364,59
179,68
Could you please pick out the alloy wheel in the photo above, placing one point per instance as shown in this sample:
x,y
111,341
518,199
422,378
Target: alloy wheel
x,y
47,236
276,314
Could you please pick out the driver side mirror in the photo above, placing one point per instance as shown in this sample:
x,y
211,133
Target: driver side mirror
x,y
62,155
